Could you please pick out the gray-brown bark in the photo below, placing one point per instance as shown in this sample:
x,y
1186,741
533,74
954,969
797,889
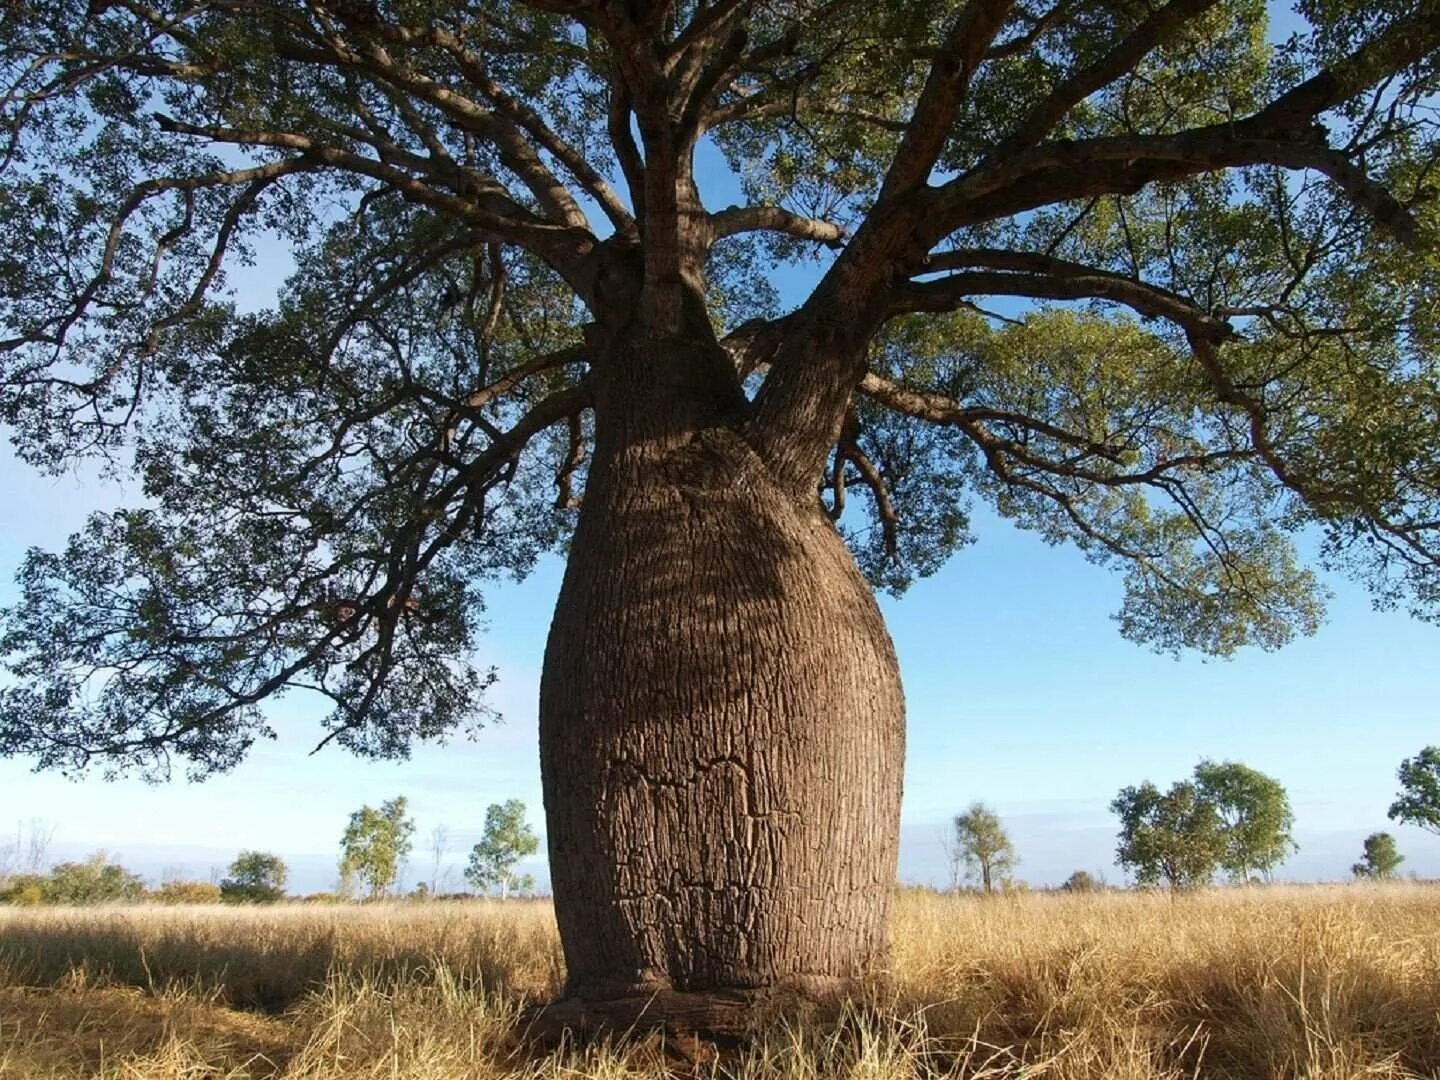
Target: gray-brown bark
x,y
722,724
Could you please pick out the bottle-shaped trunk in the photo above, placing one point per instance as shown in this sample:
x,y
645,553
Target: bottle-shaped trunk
x,y
722,730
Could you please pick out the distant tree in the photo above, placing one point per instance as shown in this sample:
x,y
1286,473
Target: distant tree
x,y
1381,858
375,844
1081,881
255,877
187,892
1254,813
507,839
982,847
1419,799
95,881
1176,837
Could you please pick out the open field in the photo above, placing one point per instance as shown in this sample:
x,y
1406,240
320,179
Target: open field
x,y
1326,982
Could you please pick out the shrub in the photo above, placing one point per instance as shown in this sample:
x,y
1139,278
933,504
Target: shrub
x,y
187,892
94,881
23,889
1081,882
256,877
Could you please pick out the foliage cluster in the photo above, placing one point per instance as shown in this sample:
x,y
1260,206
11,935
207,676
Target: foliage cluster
x,y
255,877
375,845
96,880
1419,800
1381,859
187,892
1082,881
982,847
506,840
1229,816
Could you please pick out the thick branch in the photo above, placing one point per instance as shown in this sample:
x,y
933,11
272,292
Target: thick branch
x,y
738,219
1281,134
960,55
1066,171
884,507
518,114
1081,84
1043,277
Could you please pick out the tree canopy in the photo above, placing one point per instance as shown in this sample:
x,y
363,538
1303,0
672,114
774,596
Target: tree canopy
x,y
375,845
507,839
1381,858
1154,279
1229,817
982,846
256,876
1174,836
1419,800
1255,815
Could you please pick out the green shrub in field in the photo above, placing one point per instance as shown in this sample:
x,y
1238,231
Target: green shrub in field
x,y
23,889
95,881
256,877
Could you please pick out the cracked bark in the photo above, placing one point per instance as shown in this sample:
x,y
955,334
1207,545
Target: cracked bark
x,y
721,721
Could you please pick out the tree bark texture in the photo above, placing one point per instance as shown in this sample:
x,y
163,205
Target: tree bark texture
x,y
721,732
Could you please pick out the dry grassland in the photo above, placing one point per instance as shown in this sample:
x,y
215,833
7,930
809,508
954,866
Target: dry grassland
x,y
1330,983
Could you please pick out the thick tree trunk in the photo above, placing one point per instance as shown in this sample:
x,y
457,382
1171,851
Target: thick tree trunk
x,y
722,735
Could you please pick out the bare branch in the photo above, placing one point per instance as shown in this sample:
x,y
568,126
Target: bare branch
x,y
884,507
472,197
519,115
575,457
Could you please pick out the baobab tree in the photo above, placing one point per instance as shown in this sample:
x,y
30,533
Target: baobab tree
x,y
1138,278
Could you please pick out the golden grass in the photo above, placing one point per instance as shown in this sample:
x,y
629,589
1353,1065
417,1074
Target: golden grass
x,y
1322,983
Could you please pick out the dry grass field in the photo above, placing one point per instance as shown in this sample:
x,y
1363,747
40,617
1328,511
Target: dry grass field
x,y
1334,982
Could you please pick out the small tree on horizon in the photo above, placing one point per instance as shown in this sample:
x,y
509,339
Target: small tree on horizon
x,y
1381,859
1175,836
27,853
983,848
1082,881
255,877
1419,800
375,844
507,839
1254,813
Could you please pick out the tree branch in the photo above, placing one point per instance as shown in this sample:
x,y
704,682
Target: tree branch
x,y
1280,134
739,219
1044,277
959,57
1122,58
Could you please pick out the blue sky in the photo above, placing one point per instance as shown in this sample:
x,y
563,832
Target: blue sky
x,y
1021,694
